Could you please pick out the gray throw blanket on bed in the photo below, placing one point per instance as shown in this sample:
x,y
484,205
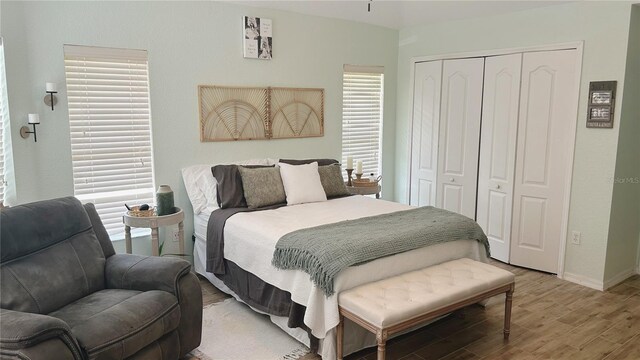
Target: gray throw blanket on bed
x,y
325,250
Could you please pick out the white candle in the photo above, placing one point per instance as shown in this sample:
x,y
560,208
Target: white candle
x,y
34,119
359,167
52,87
349,162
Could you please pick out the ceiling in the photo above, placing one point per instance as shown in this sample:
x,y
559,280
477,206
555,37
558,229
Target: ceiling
x,y
399,14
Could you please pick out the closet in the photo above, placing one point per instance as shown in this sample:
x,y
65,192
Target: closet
x,y
492,139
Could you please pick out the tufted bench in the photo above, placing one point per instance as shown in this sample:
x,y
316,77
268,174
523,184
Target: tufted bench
x,y
398,303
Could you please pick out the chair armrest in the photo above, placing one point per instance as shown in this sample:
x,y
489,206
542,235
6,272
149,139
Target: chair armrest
x,y
144,273
21,330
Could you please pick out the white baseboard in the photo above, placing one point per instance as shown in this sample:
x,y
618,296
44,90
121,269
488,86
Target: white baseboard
x,y
622,276
584,281
601,285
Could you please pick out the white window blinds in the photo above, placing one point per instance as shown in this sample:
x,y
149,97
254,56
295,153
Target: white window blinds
x,y
110,122
362,98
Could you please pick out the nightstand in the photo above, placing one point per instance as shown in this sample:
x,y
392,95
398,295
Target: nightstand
x,y
153,223
365,190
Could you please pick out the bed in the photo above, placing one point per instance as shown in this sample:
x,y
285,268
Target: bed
x,y
250,239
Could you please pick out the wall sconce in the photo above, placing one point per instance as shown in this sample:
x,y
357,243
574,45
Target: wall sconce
x,y
50,100
34,119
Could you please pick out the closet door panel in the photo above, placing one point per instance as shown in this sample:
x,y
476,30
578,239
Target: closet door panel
x,y
498,218
547,116
459,135
452,196
426,193
456,123
424,143
498,150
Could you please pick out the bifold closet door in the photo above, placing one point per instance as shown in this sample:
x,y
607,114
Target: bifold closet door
x,y
459,138
546,126
424,142
498,150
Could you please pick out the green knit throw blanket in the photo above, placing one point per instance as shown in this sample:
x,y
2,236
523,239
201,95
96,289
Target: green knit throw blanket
x,y
323,251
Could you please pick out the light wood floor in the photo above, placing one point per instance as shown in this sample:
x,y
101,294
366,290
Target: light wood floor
x,y
552,319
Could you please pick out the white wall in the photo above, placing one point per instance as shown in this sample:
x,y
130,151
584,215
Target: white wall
x,y
604,28
189,43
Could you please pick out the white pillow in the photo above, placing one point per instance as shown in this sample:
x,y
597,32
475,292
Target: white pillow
x,y
192,177
209,187
302,183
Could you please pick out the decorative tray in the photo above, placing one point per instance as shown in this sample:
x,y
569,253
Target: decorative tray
x,y
135,211
364,183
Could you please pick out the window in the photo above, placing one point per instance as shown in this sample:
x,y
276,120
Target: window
x,y
362,97
110,123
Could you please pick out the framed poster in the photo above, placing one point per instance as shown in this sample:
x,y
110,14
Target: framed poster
x,y
258,38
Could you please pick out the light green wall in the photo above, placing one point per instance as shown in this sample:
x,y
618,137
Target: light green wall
x,y
624,227
604,28
189,43
193,43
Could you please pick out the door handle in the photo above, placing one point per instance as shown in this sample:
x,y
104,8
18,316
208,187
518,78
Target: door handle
x,y
498,186
452,180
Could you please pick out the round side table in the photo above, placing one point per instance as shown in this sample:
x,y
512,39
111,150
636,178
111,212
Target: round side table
x,y
153,223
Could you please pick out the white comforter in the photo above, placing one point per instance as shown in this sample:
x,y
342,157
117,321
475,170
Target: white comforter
x,y
250,240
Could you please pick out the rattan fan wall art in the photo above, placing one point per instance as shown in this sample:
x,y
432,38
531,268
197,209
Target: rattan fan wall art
x,y
233,113
244,113
296,113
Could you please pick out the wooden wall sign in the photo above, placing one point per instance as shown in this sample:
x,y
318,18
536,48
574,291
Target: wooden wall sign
x,y
602,98
254,113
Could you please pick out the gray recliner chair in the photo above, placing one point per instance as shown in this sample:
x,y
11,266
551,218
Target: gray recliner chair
x,y
66,294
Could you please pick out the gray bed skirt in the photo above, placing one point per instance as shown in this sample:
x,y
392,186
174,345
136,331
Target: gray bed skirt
x,y
265,297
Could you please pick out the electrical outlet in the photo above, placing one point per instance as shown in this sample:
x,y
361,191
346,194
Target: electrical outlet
x,y
176,236
575,237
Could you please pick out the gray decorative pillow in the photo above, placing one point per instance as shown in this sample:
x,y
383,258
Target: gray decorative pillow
x,y
331,179
262,186
321,162
230,193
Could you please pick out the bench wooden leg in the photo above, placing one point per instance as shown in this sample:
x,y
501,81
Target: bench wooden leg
x,y
340,337
507,312
381,336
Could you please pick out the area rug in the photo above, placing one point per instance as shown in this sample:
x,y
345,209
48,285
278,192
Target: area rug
x,y
232,331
